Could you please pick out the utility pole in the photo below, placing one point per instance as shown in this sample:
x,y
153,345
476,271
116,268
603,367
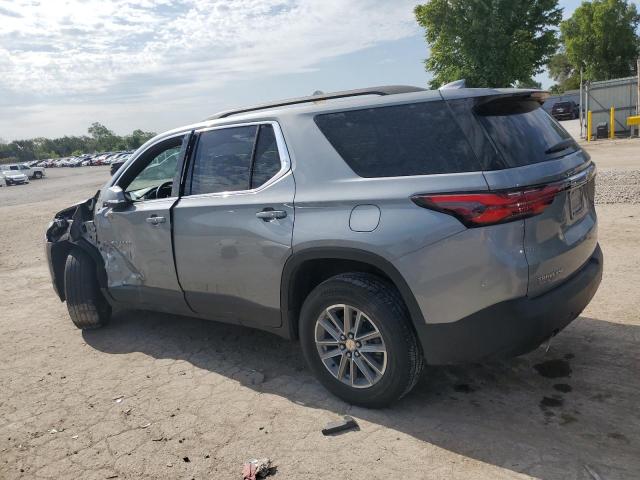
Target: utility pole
x,y
638,86
581,109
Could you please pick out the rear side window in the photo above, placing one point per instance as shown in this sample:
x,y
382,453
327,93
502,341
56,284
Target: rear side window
x,y
524,133
266,161
233,159
402,140
223,160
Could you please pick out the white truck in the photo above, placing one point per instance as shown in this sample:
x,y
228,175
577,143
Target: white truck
x,y
31,172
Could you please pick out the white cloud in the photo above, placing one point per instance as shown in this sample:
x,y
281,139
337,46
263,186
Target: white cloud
x,y
137,50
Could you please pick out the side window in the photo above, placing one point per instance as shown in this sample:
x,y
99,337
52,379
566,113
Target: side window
x,y
400,140
266,161
222,161
158,169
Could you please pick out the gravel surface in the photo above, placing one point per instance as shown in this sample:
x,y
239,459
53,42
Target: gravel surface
x,y
155,396
617,186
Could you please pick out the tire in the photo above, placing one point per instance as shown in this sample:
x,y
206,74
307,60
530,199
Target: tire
x,y
37,175
380,305
87,307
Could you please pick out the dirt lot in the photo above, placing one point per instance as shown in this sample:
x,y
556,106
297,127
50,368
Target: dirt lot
x,y
154,396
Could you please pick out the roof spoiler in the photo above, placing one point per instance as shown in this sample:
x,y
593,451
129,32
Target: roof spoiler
x,y
383,90
511,103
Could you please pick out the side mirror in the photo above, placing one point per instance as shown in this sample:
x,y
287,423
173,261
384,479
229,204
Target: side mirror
x,y
116,199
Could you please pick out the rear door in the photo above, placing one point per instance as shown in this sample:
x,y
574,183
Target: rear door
x,y
536,151
233,226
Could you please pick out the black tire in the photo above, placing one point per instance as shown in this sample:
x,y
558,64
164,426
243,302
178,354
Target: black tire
x,y
87,307
37,175
382,303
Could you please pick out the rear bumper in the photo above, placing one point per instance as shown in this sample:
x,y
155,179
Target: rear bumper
x,y
513,327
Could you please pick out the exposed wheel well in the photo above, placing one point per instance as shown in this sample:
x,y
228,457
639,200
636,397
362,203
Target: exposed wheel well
x,y
312,273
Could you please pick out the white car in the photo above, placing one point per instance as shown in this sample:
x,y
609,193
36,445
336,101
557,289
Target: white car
x,y
13,177
29,171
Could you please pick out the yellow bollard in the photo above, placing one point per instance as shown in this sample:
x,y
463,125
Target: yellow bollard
x,y
612,126
589,119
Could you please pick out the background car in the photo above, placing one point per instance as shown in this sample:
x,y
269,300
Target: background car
x,y
568,110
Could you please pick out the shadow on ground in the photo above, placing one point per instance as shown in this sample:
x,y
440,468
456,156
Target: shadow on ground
x,y
544,414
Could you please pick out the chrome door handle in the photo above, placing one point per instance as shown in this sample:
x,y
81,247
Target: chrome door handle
x,y
155,220
268,214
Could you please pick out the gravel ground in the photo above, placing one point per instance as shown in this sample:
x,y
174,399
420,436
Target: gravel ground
x,y
618,186
162,397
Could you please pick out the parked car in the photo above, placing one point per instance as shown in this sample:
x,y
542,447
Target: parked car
x,y
565,110
393,228
13,176
29,171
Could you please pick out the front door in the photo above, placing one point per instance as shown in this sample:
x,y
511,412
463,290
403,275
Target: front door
x,y
233,226
136,241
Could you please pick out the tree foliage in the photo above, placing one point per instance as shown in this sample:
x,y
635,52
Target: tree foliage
x,y
100,139
601,36
490,43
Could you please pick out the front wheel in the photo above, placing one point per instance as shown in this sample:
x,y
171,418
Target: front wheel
x,y
87,307
357,338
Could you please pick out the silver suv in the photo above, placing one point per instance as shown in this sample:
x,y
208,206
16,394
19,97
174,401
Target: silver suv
x,y
384,228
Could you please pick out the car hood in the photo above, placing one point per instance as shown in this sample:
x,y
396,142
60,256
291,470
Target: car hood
x,y
10,174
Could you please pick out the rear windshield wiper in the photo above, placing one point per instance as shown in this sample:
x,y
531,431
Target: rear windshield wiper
x,y
561,145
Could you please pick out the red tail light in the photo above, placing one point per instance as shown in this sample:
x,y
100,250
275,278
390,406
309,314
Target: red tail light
x,y
480,209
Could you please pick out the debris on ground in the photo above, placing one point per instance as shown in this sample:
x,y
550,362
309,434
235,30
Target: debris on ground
x,y
249,377
592,472
257,468
145,425
347,423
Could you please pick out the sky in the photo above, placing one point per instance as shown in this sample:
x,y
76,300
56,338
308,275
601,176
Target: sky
x,y
159,64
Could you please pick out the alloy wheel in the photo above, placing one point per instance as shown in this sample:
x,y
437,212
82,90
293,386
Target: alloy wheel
x,y
350,346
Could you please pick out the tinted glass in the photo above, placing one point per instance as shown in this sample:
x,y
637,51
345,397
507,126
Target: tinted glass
x,y
414,139
267,160
223,160
527,138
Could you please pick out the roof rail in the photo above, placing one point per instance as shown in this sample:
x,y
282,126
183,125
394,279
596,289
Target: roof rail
x,y
383,90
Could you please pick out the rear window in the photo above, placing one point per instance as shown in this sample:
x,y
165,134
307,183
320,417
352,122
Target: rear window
x,y
402,140
528,135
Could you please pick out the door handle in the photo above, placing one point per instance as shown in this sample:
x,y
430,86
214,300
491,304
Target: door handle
x,y
269,214
155,220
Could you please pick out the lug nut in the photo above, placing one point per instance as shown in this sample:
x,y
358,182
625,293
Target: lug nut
x,y
342,347
358,344
348,354
357,354
343,338
350,335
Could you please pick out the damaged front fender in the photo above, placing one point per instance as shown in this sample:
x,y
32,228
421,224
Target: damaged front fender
x,y
72,227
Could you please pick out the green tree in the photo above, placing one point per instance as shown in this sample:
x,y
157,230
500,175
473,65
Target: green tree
x,y
490,43
101,139
601,36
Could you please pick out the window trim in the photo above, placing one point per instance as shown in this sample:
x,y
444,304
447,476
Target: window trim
x,y
283,153
140,158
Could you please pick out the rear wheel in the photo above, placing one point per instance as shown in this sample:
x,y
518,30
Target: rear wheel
x,y
87,307
37,175
357,339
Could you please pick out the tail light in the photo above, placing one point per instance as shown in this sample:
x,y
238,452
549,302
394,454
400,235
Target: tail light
x,y
481,209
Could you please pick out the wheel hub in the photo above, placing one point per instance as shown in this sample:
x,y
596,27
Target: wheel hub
x,y
350,346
